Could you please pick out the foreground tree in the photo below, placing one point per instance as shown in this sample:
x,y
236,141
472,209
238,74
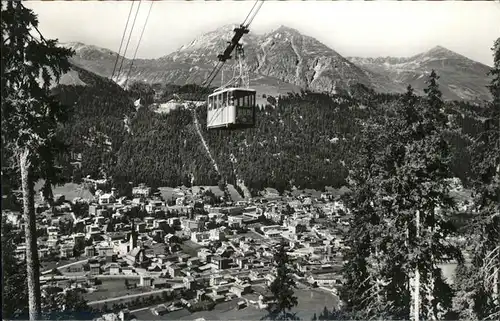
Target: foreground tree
x,y
283,299
401,215
482,301
29,114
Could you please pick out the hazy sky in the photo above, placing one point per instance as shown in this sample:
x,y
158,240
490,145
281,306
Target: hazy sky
x,y
352,28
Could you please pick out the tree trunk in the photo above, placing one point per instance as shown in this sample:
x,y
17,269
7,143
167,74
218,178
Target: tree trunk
x,y
416,302
32,263
496,285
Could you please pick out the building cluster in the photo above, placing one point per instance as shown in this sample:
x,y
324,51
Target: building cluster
x,y
220,251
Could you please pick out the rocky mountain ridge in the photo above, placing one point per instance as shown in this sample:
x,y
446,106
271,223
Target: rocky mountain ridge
x,y
284,60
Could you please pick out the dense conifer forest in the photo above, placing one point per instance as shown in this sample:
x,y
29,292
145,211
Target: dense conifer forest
x,y
306,140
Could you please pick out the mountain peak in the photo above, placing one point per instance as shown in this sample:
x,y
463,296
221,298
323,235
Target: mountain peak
x,y
229,27
439,48
440,51
284,28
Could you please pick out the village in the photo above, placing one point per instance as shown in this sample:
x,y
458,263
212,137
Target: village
x,y
195,249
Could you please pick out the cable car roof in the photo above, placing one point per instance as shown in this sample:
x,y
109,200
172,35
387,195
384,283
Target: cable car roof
x,y
231,89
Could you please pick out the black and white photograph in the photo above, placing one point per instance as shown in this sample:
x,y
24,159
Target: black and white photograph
x,y
250,160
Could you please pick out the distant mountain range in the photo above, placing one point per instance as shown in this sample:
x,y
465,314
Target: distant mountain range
x,y
284,61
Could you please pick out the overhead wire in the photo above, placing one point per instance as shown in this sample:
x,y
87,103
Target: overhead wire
x,y
128,41
255,12
123,38
138,44
250,12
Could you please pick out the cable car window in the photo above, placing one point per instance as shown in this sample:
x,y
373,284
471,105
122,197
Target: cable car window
x,y
242,101
224,99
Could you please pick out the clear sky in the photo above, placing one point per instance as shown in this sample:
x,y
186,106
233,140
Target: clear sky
x,y
352,28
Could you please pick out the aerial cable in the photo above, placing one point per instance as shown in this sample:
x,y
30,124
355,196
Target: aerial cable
x,y
138,44
123,38
250,12
128,41
255,13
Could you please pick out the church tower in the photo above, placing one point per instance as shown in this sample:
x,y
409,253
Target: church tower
x,y
133,238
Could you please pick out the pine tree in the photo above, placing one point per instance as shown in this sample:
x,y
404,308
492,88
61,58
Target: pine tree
x,y
29,114
282,287
401,212
486,167
427,169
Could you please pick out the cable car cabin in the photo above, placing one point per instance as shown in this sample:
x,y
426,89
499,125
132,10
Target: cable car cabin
x,y
231,108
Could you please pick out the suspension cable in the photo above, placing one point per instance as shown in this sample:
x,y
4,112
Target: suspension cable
x,y
255,13
123,38
138,44
128,41
250,12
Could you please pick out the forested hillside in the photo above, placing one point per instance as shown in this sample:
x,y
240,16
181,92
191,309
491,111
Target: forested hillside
x,y
96,127
306,140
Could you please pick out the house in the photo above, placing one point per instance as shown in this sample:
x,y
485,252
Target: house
x,y
90,251
153,206
104,250
159,310
155,267
43,252
145,280
78,238
200,237
218,293
106,199
235,221
184,257
322,280
173,270
103,212
137,257
95,268
159,223
114,269
141,227
124,314
240,289
66,250
160,283
191,225
158,234
204,255
193,261
188,282
241,261
128,270
141,191
216,235
216,279
221,263
269,278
